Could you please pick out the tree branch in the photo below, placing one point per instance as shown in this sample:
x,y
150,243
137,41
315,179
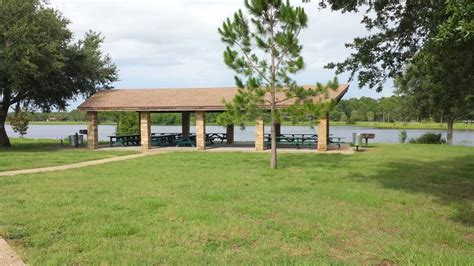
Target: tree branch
x,y
285,51
251,63
286,99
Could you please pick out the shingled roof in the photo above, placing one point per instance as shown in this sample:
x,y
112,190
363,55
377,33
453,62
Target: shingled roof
x,y
162,100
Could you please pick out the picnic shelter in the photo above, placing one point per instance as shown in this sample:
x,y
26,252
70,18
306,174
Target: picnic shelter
x,y
186,101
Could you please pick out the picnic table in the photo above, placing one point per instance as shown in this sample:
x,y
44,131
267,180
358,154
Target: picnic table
x,y
211,137
190,140
125,140
293,139
302,139
165,139
336,140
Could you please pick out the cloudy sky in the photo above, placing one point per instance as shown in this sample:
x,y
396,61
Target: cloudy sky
x,y
174,44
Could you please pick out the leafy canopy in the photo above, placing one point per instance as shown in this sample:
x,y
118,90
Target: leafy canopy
x,y
41,65
398,30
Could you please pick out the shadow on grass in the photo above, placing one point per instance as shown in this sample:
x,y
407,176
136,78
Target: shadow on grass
x,y
450,181
30,146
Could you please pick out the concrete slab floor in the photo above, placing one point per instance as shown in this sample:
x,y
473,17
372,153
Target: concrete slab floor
x,y
240,147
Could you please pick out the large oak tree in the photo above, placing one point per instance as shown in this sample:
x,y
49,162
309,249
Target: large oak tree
x,y
427,45
41,65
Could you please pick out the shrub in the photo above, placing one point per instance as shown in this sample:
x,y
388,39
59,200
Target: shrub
x,y
19,122
402,136
350,121
128,124
429,138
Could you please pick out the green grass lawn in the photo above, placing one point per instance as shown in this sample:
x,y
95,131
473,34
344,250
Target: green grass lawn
x,y
396,203
410,125
34,153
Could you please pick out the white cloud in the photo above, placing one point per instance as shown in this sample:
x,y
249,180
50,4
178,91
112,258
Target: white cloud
x,y
175,43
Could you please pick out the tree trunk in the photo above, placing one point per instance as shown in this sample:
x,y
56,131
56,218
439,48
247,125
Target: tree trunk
x,y
449,138
274,143
4,140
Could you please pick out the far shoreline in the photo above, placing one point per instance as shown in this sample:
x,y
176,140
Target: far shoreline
x,y
378,125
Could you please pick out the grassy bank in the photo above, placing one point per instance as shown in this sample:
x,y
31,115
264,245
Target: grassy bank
x,y
411,125
395,125
33,153
66,123
405,204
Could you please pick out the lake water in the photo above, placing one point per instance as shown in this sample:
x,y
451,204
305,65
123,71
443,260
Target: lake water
x,y
461,137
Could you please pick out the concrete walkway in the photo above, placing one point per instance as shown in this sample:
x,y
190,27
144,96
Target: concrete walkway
x,y
8,256
216,148
80,165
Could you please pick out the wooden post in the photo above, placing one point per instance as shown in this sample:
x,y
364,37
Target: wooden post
x,y
323,133
145,130
201,130
327,126
259,134
92,130
230,134
278,129
185,126
139,124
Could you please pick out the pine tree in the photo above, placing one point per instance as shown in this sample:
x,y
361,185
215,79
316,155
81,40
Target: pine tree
x,y
265,53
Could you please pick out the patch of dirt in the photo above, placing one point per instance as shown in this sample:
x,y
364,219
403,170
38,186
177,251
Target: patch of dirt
x,y
8,256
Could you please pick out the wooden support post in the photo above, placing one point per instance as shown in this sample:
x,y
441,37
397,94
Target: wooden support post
x,y
92,130
230,134
201,130
278,129
323,133
259,134
327,126
185,125
145,130
139,124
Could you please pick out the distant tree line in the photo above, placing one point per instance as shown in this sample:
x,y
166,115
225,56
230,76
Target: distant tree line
x,y
110,117
388,109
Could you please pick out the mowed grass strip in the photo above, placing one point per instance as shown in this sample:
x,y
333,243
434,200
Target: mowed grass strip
x,y
35,153
397,203
407,125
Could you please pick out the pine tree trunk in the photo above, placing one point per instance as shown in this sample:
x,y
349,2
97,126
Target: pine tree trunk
x,y
4,140
274,143
449,138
